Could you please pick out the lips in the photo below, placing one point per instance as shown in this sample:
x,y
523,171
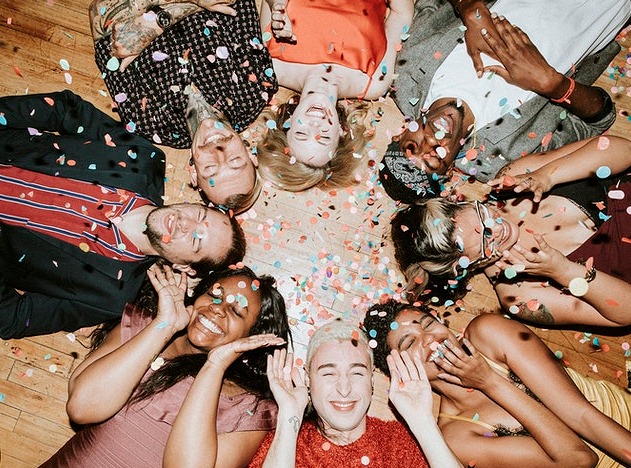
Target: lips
x,y
316,111
209,325
344,406
169,223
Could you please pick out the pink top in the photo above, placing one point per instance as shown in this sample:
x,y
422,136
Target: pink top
x,y
136,436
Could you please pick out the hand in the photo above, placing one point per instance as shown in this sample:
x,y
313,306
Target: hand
x,y
547,262
171,289
410,391
470,371
286,382
477,17
224,355
538,182
522,64
218,6
281,23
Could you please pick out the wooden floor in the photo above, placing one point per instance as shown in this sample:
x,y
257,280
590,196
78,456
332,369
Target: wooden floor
x,y
327,248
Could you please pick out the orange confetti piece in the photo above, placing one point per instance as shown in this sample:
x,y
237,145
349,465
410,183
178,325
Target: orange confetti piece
x,y
108,140
166,238
508,181
71,162
547,138
532,305
18,72
626,239
612,303
532,135
438,54
471,154
49,101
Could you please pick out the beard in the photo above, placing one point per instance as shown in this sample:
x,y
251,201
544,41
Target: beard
x,y
155,238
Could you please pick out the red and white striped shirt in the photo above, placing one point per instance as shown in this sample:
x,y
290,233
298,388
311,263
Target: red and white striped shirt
x,y
80,213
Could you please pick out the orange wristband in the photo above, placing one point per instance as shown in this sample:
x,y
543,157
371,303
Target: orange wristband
x,y
567,94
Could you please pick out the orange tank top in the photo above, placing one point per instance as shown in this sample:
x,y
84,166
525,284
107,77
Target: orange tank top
x,y
346,32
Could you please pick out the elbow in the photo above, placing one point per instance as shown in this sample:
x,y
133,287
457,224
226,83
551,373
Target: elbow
x,y
582,457
80,411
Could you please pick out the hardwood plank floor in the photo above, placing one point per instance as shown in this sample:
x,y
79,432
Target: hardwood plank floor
x,y
327,248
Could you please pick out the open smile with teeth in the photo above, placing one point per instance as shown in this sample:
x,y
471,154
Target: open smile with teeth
x,y
343,406
210,325
316,111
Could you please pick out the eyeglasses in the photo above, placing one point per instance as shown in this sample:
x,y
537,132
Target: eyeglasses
x,y
487,242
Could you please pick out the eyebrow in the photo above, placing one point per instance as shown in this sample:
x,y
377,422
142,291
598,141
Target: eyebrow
x,y
199,244
331,365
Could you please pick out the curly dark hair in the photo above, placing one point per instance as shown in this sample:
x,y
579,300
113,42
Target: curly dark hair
x,y
378,323
248,372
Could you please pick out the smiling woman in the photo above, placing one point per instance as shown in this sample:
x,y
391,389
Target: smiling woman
x,y
327,51
178,382
553,258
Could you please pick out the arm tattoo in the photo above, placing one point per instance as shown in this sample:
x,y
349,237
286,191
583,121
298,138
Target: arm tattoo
x,y
295,422
542,315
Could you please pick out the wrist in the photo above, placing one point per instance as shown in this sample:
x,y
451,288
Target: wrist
x,y
466,8
559,89
581,275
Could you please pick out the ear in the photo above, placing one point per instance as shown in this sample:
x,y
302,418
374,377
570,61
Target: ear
x,y
190,271
253,158
192,174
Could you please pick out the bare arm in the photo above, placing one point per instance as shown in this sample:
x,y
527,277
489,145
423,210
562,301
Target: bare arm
x,y
291,394
513,344
539,173
552,443
193,441
105,381
397,26
411,394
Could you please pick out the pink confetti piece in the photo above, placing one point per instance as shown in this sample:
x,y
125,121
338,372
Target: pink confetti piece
x,y
603,143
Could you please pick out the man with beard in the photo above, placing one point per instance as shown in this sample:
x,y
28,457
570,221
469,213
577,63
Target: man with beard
x,y
82,217
518,83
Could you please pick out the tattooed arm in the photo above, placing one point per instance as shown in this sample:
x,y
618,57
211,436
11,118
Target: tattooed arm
x,y
133,24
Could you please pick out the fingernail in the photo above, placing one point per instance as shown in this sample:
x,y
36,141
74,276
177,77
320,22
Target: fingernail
x,y
479,74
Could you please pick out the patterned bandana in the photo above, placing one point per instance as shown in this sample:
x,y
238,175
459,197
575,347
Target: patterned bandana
x,y
403,180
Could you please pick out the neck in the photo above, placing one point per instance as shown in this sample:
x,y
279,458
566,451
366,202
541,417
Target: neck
x,y
457,399
343,437
198,110
133,225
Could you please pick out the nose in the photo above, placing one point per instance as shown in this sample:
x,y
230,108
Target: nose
x,y
343,386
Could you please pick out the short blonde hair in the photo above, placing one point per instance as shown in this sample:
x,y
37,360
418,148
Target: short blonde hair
x,y
273,151
336,330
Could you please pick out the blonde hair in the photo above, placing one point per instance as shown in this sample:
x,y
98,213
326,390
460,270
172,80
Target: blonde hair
x,y
424,238
273,151
336,330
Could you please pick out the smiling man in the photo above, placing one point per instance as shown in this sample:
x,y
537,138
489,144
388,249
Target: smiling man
x,y
527,90
82,217
337,430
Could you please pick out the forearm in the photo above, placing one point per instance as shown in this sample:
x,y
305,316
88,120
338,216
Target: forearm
x,y
605,292
431,441
584,101
106,385
193,438
610,151
556,439
282,451
106,14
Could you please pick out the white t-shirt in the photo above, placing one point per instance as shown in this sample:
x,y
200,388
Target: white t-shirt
x,y
564,31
